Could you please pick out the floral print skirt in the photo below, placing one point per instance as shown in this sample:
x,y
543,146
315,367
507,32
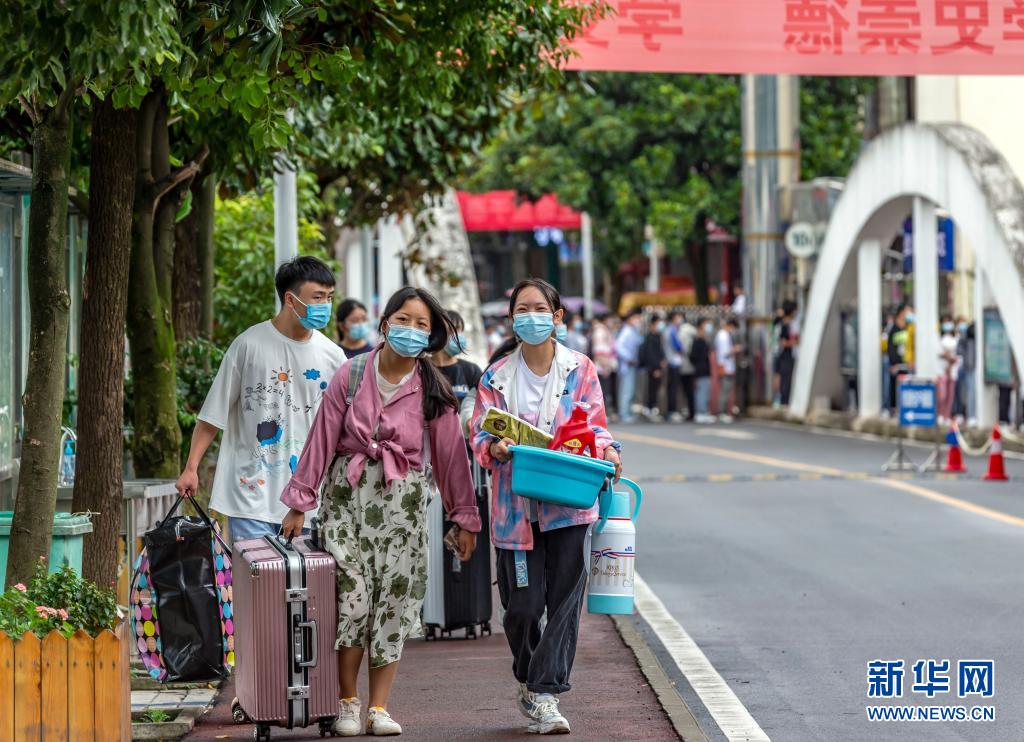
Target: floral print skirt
x,y
379,538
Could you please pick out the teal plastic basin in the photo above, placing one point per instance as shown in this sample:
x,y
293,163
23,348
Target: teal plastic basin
x,y
66,548
558,478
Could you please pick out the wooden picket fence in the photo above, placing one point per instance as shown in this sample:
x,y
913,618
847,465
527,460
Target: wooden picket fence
x,y
65,689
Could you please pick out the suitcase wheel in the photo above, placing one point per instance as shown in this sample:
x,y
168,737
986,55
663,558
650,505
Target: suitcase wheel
x,y
485,628
471,632
430,634
261,732
238,714
325,727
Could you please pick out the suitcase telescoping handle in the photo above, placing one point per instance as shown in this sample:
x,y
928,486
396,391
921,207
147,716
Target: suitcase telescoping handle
x,y
313,643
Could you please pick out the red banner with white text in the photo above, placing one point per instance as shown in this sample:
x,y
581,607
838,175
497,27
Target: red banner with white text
x,y
808,37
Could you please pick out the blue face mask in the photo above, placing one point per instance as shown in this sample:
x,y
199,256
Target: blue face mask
x,y
317,315
947,327
909,316
360,331
533,328
561,333
408,342
456,345
962,327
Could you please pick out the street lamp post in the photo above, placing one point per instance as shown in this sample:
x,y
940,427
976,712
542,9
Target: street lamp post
x,y
286,214
587,248
771,156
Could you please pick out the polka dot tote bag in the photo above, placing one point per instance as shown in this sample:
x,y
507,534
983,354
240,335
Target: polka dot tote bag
x,y
181,599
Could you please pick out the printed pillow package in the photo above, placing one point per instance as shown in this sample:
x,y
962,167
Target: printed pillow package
x,y
506,425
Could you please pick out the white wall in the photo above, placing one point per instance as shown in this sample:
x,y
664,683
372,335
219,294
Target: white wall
x,y
994,105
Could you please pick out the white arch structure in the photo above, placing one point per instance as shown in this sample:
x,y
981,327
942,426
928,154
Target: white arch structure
x,y
913,168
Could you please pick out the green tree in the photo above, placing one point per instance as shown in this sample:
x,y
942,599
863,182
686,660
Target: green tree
x,y
198,76
436,89
632,149
396,63
664,150
832,123
244,253
56,53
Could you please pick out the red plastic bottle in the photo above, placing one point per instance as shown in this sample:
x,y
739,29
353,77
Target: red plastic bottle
x,y
575,435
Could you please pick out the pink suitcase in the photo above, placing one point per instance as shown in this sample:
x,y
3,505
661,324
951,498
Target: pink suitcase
x,y
286,669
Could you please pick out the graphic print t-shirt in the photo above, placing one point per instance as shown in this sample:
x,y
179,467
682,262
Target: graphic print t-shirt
x,y
463,375
265,397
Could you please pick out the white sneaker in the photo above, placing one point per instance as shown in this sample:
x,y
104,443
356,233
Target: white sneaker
x,y
347,724
380,724
524,700
725,418
545,716
675,417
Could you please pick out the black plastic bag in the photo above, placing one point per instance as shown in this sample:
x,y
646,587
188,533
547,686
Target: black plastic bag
x,y
183,574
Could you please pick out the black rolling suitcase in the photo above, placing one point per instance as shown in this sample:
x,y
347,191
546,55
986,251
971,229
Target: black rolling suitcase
x,y
458,593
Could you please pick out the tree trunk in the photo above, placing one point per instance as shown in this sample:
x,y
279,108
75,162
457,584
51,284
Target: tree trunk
x,y
98,481
156,439
697,254
49,301
187,290
204,208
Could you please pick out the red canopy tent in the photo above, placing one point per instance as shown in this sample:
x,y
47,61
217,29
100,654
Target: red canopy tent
x,y
497,211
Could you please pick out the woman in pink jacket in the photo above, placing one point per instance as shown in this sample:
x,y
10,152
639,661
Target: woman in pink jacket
x,y
370,432
539,547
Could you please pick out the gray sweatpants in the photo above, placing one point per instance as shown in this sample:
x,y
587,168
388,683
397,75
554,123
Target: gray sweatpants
x,y
557,581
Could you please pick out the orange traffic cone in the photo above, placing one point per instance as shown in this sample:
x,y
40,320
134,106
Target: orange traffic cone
x,y
996,468
954,458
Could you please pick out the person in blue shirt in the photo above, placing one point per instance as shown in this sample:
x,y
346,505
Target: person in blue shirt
x,y
627,349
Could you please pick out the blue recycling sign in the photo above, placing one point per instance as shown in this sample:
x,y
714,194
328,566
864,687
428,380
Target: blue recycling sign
x,y
917,404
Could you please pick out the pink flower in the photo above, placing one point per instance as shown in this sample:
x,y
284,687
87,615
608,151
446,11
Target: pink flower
x,y
63,614
21,587
45,611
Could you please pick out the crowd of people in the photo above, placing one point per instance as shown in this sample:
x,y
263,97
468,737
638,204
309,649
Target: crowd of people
x,y
955,394
674,366
360,432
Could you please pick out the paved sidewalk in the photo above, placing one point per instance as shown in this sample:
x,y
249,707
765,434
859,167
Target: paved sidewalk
x,y
457,689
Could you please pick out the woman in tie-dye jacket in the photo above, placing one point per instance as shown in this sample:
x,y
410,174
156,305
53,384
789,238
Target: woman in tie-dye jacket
x,y
540,381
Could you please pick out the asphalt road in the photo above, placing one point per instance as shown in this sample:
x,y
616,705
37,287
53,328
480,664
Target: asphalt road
x,y
791,586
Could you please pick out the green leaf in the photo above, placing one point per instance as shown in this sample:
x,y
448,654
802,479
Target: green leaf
x,y
185,208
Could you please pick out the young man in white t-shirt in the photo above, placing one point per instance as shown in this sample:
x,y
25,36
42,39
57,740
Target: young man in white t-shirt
x,y
725,359
265,397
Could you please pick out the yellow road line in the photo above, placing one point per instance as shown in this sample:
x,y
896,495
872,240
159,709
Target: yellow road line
x,y
893,483
955,502
727,454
